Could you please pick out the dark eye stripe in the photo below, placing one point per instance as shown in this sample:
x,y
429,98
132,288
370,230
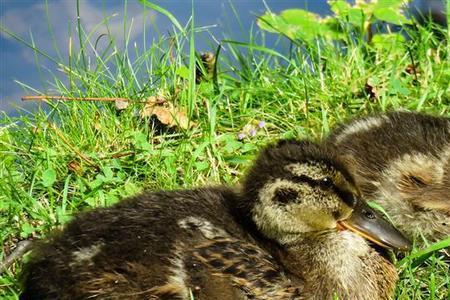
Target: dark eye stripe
x,y
347,197
312,182
304,179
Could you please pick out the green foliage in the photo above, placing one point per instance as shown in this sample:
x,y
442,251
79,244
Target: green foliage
x,y
388,41
296,24
302,25
419,256
48,177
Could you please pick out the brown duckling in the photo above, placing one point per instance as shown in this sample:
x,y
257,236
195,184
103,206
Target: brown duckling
x,y
303,202
290,235
402,161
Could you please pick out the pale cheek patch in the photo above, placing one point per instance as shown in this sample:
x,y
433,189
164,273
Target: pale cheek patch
x,y
274,219
317,219
324,210
412,171
394,187
312,212
397,195
411,221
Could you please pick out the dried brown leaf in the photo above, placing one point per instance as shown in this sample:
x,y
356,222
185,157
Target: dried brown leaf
x,y
166,113
410,69
181,119
121,104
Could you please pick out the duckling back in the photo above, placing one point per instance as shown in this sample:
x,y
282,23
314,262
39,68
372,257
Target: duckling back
x,y
401,160
162,245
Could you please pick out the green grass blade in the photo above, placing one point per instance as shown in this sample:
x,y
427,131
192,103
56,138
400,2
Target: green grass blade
x,y
421,255
164,12
192,60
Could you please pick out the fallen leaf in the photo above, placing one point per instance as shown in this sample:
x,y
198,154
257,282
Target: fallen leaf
x,y
150,105
121,104
166,113
163,114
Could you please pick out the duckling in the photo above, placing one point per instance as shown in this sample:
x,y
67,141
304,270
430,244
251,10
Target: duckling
x,y
296,231
402,161
304,205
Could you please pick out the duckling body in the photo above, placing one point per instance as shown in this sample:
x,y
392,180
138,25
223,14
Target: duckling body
x,y
275,240
141,248
402,161
342,260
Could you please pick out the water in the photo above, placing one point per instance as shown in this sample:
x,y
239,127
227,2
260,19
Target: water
x,y
27,18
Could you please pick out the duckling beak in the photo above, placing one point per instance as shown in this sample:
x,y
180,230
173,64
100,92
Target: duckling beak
x,y
372,226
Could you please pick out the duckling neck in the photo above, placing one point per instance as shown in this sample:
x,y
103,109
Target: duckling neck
x,y
339,263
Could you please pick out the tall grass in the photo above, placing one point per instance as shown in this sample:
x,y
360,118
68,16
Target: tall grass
x,y
73,156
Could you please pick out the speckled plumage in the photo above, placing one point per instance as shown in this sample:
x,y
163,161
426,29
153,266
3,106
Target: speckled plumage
x,y
142,245
275,240
402,161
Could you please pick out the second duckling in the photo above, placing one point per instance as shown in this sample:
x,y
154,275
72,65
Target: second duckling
x,y
297,231
402,161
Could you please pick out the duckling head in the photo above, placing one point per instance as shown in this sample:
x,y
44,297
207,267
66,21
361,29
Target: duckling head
x,y
300,188
415,191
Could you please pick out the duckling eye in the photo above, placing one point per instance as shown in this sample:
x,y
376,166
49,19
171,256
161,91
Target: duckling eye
x,y
326,182
368,214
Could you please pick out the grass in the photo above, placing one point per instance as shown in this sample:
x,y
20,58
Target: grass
x,y
73,156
